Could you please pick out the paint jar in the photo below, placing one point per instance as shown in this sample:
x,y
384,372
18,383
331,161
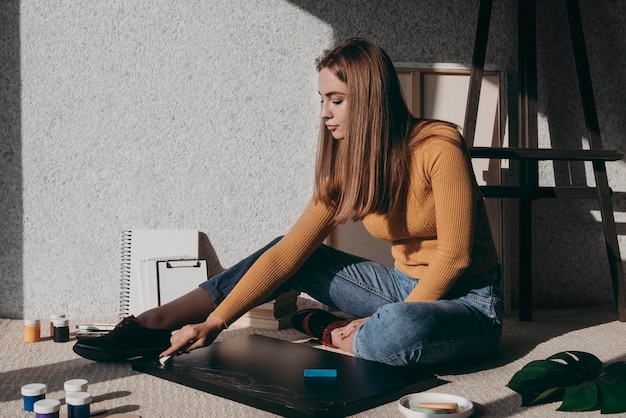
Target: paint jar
x,y
32,331
52,319
61,330
47,408
78,404
32,393
75,385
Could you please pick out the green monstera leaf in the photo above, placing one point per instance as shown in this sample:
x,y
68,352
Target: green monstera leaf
x,y
576,378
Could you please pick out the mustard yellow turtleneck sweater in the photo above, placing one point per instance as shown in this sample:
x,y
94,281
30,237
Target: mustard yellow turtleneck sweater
x,y
441,235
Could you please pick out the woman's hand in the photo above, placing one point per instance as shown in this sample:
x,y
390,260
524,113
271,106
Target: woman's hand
x,y
349,329
343,337
194,336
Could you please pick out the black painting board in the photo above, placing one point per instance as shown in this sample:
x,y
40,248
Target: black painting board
x,y
268,374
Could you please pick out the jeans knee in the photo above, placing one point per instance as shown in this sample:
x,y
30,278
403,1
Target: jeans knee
x,y
387,337
424,333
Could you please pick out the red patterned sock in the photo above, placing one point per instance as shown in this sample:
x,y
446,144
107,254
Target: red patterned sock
x,y
327,338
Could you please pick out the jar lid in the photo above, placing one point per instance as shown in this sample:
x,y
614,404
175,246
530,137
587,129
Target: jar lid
x,y
47,406
31,322
75,385
34,389
78,398
61,322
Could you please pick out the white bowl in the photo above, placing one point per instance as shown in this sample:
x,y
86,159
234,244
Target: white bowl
x,y
466,408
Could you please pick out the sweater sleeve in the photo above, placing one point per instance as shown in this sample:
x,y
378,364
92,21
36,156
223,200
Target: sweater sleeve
x,y
278,263
448,169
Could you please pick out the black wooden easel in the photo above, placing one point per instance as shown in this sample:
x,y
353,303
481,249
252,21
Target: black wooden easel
x,y
528,154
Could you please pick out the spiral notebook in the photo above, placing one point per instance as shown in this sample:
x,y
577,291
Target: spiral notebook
x,y
142,244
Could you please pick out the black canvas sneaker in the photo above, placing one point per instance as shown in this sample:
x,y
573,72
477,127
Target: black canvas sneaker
x,y
128,340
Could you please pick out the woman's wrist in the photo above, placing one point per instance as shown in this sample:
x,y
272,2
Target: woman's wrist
x,y
215,321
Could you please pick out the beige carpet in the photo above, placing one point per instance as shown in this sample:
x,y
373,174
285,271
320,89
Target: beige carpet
x,y
120,390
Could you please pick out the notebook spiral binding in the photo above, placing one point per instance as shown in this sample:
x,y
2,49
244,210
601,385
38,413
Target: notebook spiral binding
x,y
125,274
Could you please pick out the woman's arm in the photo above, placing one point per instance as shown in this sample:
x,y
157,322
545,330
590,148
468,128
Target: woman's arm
x,y
278,263
272,269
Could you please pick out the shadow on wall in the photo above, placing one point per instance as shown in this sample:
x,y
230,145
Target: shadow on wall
x,y
11,204
407,30
578,231
606,51
207,251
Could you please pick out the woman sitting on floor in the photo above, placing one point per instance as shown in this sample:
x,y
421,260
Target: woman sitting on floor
x,y
411,183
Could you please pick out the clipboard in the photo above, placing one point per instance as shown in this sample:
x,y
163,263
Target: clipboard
x,y
176,277
164,279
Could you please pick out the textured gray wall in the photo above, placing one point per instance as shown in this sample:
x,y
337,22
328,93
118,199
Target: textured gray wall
x,y
203,115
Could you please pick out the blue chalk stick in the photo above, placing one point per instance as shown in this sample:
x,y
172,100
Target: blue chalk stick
x,y
324,373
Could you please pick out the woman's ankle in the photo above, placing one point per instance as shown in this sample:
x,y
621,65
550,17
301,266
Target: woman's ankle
x,y
152,319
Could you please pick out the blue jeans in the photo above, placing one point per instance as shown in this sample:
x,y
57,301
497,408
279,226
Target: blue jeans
x,y
465,323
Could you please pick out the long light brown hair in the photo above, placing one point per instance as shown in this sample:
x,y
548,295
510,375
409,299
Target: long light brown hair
x,y
365,172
